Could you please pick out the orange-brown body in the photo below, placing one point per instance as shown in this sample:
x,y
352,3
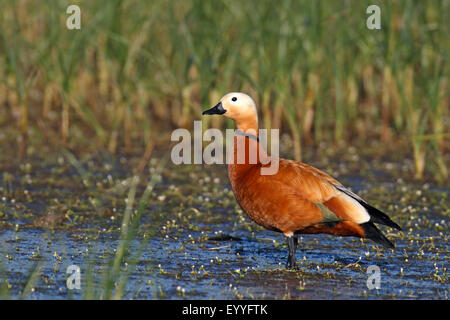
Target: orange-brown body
x,y
297,198
287,201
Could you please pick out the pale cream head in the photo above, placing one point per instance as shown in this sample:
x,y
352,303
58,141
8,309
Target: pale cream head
x,y
238,105
241,108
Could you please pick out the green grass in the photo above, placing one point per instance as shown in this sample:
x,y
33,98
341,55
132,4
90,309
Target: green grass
x,y
138,67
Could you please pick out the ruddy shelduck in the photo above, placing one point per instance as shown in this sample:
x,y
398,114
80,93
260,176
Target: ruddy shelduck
x,y
298,198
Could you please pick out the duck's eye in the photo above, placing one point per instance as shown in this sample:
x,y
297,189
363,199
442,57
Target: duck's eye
x,y
234,99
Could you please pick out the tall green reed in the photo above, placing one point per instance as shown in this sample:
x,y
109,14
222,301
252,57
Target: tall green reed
x,y
314,68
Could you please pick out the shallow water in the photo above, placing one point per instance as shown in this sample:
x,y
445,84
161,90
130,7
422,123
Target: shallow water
x,y
194,242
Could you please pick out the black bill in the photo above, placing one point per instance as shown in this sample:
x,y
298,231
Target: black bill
x,y
217,109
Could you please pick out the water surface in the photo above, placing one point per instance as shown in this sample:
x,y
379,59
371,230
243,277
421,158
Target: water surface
x,y
194,242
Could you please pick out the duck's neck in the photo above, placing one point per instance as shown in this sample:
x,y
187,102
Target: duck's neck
x,y
248,125
247,152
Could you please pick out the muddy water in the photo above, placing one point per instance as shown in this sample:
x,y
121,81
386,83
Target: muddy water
x,y
194,242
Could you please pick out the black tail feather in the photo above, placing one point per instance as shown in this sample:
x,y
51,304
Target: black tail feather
x,y
373,233
378,216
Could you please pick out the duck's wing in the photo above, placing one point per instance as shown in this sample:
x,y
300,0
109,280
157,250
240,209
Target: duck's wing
x,y
320,188
312,183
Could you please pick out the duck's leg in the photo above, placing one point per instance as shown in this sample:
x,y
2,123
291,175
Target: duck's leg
x,y
292,242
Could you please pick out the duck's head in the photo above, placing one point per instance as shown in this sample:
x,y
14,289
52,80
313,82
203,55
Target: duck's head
x,y
237,106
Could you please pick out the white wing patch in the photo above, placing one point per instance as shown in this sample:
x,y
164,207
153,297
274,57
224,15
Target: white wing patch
x,y
355,210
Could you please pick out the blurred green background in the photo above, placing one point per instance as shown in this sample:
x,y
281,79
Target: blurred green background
x,y
139,68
